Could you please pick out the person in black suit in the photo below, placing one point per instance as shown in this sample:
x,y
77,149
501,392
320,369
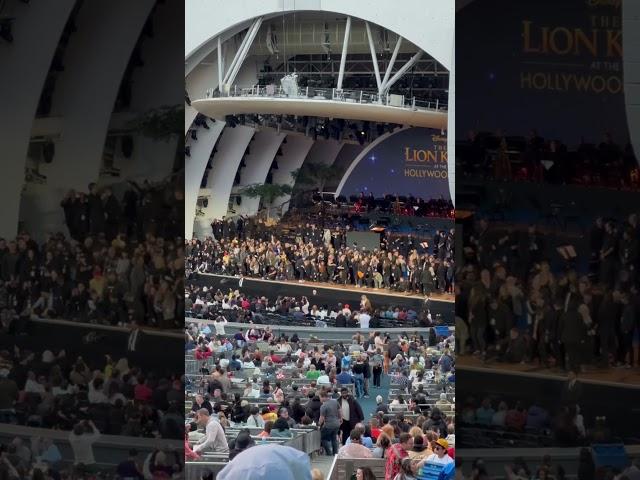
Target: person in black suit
x,y
351,413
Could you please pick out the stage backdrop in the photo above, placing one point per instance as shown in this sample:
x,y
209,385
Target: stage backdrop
x,y
546,64
412,161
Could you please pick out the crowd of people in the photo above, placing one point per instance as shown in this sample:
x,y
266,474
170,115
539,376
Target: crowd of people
x,y
534,158
120,265
86,398
117,267
205,303
314,384
505,422
513,306
315,255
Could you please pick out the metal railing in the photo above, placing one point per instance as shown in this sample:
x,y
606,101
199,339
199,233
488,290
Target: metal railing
x,y
347,96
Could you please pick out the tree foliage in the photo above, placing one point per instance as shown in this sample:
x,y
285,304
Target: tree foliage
x,y
161,123
267,192
315,174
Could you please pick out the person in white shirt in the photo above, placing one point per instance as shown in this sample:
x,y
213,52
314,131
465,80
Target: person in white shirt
x,y
63,389
364,318
305,306
81,439
247,363
32,385
219,323
440,455
255,419
323,379
96,391
214,439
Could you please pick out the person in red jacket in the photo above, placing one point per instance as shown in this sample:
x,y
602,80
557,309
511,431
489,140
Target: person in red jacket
x,y
203,352
395,454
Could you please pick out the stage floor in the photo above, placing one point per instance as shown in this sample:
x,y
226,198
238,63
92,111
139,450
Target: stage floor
x,y
439,297
611,377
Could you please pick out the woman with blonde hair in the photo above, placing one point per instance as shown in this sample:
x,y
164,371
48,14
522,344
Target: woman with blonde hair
x,y
122,366
365,303
382,444
389,431
222,418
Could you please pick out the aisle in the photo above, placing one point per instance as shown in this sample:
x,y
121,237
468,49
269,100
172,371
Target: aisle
x,y
322,462
369,404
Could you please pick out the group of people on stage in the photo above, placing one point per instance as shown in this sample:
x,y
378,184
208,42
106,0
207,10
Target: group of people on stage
x,y
513,305
404,265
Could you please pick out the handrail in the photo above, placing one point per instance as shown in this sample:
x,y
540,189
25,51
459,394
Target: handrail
x,y
121,441
316,329
68,323
333,466
333,94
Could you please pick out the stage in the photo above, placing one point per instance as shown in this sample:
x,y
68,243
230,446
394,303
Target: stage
x,y
612,377
330,294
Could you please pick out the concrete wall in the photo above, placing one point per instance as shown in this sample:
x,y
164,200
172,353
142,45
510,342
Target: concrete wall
x,y
95,61
225,163
294,152
194,170
263,150
19,93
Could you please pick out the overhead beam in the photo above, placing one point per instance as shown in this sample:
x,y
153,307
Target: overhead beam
x,y
243,52
393,60
220,67
412,61
373,57
239,52
343,58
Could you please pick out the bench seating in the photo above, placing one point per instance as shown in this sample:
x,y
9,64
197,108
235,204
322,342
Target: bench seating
x,y
344,468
